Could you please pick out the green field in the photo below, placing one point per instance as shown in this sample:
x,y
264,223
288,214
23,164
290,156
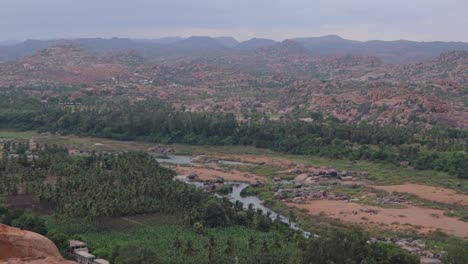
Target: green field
x,y
4,134
161,231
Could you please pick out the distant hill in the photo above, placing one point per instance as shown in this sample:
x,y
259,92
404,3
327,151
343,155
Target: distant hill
x,y
228,42
400,51
396,52
9,42
166,40
285,48
196,43
255,43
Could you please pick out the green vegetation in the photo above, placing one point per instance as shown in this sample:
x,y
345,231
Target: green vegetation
x,y
176,243
353,248
16,134
224,189
94,194
440,149
250,191
129,209
457,253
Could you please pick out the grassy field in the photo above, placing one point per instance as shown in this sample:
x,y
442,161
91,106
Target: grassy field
x,y
16,134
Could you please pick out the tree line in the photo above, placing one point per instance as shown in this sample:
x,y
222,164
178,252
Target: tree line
x,y
439,148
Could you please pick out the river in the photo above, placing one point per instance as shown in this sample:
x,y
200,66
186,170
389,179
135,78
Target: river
x,y
257,203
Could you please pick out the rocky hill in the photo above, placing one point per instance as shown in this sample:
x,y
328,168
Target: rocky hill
x,y
279,80
63,64
449,68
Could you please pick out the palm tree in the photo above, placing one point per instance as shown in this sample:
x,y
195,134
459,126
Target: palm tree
x,y
211,249
189,250
177,244
252,242
229,250
265,248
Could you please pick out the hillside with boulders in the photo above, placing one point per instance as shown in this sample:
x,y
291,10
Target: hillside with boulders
x,y
281,80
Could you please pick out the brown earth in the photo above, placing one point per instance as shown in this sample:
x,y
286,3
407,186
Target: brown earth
x,y
211,174
411,218
48,260
21,246
432,193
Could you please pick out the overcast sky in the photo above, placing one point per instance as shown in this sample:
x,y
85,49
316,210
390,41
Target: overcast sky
x,y
424,20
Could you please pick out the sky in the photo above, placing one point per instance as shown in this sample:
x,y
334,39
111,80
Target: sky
x,y
421,20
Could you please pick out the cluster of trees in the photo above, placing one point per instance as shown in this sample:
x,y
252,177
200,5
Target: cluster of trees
x,y
129,183
96,185
426,150
334,246
442,149
351,246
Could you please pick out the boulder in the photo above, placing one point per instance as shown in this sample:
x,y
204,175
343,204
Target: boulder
x,y
17,244
349,184
426,260
404,163
309,181
192,176
48,260
299,185
257,184
220,180
347,178
301,178
296,171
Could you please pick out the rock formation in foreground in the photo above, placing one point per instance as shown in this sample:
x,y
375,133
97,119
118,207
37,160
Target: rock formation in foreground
x,y
21,246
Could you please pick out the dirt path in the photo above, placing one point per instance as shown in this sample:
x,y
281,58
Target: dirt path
x,y
211,174
411,218
432,193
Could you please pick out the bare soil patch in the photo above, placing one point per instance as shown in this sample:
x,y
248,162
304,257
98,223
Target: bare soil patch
x,y
432,193
409,219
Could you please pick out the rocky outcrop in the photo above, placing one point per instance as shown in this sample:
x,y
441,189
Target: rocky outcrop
x,y
21,246
48,260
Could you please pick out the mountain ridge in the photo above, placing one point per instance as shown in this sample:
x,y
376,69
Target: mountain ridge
x,y
395,52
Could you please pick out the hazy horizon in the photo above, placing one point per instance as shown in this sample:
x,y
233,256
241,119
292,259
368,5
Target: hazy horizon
x,y
417,20
15,41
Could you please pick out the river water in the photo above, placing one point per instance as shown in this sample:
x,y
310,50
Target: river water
x,y
235,195
257,203
176,159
